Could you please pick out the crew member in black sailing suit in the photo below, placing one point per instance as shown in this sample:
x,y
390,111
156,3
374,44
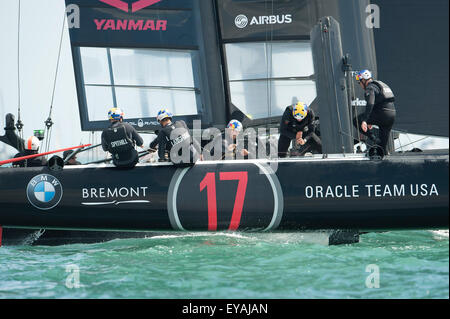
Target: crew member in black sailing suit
x,y
120,140
380,109
298,123
30,147
228,147
175,138
27,147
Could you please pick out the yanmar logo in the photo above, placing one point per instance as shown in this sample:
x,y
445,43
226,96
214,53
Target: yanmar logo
x,y
135,6
130,25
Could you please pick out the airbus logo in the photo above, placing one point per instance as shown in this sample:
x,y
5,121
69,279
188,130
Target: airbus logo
x,y
44,192
135,6
242,21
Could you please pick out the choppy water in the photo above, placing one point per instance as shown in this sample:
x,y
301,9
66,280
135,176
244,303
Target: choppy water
x,y
412,264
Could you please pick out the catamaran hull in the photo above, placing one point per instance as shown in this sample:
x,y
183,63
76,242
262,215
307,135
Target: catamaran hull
x,y
401,192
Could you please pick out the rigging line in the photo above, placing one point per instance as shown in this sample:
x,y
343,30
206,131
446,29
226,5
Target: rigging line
x,y
18,60
57,63
424,138
19,124
407,135
48,140
266,52
270,66
400,143
49,122
269,58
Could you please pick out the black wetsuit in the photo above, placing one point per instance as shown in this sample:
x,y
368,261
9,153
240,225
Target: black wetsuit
x,y
33,162
289,127
120,139
380,111
176,134
12,139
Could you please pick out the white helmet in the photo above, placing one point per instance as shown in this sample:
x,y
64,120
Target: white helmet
x,y
32,143
363,75
163,114
235,125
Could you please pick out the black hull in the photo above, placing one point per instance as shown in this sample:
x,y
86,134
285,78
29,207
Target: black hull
x,y
400,192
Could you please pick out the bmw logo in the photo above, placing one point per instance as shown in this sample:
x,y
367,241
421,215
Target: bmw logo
x,y
44,191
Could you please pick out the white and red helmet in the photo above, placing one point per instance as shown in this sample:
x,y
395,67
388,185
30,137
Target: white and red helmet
x,y
363,75
32,143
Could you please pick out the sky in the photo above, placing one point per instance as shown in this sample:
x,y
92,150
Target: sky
x,y
40,32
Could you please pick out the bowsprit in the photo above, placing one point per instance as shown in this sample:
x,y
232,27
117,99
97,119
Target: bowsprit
x,y
44,192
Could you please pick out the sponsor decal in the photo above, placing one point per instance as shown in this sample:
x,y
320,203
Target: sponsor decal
x,y
141,123
44,192
242,21
115,196
225,198
371,191
181,139
130,24
135,6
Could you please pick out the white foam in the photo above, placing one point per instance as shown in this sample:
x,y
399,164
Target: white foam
x,y
201,234
440,234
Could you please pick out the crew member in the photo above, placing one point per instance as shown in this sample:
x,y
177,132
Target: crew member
x,y
380,109
72,160
31,147
120,140
299,124
174,139
229,143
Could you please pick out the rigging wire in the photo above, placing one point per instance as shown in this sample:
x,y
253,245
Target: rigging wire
x,y
19,124
412,143
49,123
270,66
269,62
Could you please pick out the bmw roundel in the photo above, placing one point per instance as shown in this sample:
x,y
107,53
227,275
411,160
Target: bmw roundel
x,y
44,191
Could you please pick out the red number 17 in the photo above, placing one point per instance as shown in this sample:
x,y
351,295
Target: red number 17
x,y
209,182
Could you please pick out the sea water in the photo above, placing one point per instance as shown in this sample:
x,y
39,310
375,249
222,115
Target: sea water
x,y
408,264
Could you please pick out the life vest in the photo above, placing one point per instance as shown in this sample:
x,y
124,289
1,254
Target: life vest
x,y
183,137
121,147
386,92
118,140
